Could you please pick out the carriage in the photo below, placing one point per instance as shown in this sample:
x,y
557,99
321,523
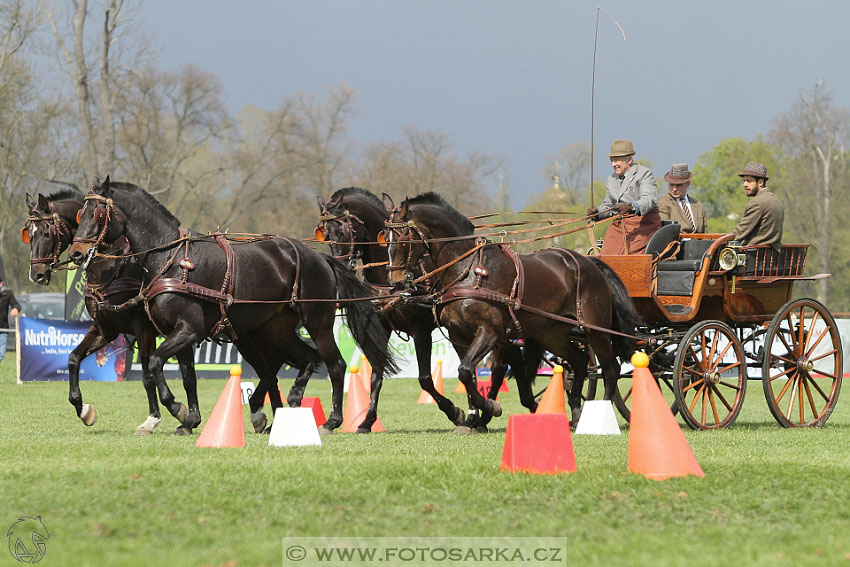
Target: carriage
x,y
719,314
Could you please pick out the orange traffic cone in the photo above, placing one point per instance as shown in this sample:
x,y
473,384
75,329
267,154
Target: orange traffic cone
x,y
461,389
357,405
537,443
553,397
437,377
366,372
657,447
268,401
225,427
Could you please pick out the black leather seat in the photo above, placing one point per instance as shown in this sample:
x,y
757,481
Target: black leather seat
x,y
662,238
692,254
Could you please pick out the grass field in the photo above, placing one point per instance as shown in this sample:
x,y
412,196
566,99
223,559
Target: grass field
x,y
770,497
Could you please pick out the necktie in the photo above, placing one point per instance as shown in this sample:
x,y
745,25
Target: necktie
x,y
687,212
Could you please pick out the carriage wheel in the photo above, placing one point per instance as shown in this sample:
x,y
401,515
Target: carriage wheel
x,y
710,376
803,364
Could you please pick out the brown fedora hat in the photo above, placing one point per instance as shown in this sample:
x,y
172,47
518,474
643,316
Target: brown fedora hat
x,y
755,169
678,173
621,148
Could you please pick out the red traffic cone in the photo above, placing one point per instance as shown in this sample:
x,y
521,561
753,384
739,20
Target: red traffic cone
x,y
315,404
538,444
225,427
553,397
437,377
657,447
357,405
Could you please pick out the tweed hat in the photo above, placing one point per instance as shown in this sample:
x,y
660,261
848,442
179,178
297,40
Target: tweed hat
x,y
621,148
755,169
678,173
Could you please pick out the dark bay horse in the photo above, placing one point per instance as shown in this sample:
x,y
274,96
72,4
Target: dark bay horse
x,y
51,224
351,222
490,295
254,292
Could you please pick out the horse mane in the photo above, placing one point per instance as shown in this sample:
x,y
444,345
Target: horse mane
x,y
339,194
68,193
431,198
138,191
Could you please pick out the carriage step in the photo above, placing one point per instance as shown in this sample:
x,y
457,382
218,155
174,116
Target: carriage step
x,y
678,309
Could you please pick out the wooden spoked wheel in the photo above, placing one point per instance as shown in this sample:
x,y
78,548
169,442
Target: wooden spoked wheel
x,y
803,364
710,376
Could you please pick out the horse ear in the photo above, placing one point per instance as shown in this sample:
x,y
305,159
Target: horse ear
x,y
30,202
320,202
403,210
389,205
105,184
42,203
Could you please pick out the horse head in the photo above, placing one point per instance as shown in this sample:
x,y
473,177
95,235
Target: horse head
x,y
407,242
100,221
50,226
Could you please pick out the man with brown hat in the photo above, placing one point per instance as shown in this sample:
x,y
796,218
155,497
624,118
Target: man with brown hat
x,y
631,192
677,205
764,215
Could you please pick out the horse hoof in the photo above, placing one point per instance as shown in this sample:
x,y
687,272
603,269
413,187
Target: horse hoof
x,y
182,431
495,408
325,431
463,430
364,430
481,429
148,426
182,413
460,417
88,416
259,421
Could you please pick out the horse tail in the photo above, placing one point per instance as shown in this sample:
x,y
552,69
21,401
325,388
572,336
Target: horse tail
x,y
624,316
362,318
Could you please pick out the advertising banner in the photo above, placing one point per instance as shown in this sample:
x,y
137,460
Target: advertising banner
x,y
213,360
44,346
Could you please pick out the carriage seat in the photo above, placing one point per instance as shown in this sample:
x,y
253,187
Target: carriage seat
x,y
676,277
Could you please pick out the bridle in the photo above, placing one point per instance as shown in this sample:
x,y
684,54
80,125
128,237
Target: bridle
x,y
104,211
346,219
57,231
403,230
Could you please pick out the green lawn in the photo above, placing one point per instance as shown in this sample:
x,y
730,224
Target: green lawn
x,y
771,496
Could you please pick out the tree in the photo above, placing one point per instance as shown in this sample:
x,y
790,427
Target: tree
x,y
715,178
422,161
815,135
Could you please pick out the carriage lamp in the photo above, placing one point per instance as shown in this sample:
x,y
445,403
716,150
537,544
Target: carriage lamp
x,y
731,257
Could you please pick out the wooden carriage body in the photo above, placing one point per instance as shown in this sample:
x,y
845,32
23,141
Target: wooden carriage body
x,y
712,325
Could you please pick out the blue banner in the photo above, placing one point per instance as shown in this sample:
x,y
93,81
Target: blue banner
x,y
46,343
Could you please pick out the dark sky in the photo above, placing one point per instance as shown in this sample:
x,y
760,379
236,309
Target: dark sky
x,y
513,79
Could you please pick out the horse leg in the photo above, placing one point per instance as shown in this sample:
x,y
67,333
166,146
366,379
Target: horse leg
x,y
145,341
179,339
483,343
530,363
498,367
186,359
90,343
329,352
257,357
422,342
578,359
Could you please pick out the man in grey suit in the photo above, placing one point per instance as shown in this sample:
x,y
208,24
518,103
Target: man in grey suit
x,y
631,193
677,205
764,215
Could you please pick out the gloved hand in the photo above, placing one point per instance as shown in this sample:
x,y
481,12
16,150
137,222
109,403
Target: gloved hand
x,y
592,213
623,208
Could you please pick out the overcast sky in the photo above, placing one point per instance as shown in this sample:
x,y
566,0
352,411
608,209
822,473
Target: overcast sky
x,y
513,79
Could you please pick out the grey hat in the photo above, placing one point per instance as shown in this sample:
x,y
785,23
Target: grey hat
x,y
678,173
755,169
